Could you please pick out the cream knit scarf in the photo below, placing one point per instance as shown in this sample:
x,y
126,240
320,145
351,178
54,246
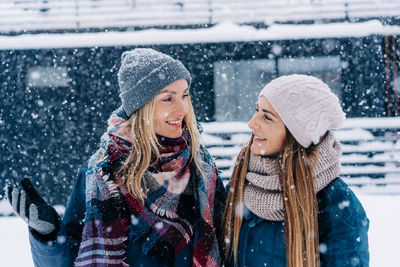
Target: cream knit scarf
x,y
263,190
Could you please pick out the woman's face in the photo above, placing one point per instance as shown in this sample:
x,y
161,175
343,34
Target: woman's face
x,y
171,106
268,129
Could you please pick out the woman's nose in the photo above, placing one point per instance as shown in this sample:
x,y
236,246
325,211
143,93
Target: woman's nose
x,y
253,122
181,107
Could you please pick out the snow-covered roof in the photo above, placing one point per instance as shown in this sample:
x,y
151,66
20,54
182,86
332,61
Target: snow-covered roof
x,y
223,32
19,16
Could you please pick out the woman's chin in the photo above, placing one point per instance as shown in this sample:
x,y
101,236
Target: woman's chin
x,y
174,134
256,151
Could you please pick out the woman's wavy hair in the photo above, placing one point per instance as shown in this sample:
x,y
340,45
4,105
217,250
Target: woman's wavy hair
x,y
301,208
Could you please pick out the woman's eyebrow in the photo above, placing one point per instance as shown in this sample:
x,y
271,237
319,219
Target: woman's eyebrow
x,y
270,112
267,111
173,92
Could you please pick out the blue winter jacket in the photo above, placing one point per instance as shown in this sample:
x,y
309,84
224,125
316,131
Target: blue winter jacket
x,y
342,223
63,252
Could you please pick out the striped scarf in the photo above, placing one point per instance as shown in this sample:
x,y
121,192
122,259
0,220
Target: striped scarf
x,y
158,223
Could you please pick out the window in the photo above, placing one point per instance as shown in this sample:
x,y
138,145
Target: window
x,y
53,77
326,68
237,84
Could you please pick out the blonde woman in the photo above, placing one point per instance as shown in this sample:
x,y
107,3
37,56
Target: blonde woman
x,y
286,205
150,195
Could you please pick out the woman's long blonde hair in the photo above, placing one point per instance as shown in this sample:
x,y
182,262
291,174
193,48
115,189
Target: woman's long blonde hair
x,y
301,208
145,145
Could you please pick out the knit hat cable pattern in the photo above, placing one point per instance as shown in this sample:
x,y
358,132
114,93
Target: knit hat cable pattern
x,y
306,105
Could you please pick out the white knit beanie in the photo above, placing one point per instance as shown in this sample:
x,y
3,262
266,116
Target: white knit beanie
x,y
306,105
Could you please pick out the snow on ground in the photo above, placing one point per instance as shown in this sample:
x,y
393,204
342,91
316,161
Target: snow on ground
x,y
14,243
384,233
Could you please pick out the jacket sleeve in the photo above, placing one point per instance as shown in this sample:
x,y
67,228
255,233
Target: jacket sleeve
x,y
63,251
343,227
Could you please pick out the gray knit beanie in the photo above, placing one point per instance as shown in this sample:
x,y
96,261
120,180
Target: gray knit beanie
x,y
144,73
306,105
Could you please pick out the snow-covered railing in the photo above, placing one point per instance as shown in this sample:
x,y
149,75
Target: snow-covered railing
x,y
65,15
371,148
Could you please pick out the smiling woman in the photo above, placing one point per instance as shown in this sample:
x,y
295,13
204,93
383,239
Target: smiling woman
x,y
171,106
149,196
268,129
285,192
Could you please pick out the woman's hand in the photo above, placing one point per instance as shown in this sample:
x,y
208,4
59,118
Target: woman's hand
x,y
31,207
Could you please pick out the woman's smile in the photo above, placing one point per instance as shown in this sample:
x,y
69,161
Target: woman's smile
x,y
175,123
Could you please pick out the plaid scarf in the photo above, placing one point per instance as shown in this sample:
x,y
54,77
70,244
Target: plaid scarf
x,y
168,183
162,223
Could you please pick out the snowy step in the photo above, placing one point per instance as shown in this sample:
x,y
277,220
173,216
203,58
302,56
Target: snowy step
x,y
368,181
352,173
369,170
366,158
371,147
232,151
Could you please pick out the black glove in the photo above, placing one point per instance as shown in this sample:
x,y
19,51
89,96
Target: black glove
x,y
31,207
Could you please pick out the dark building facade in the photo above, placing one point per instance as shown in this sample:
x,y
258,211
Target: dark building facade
x,y
55,102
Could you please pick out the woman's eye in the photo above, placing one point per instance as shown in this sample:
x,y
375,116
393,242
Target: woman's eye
x,y
185,95
256,109
267,118
167,99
